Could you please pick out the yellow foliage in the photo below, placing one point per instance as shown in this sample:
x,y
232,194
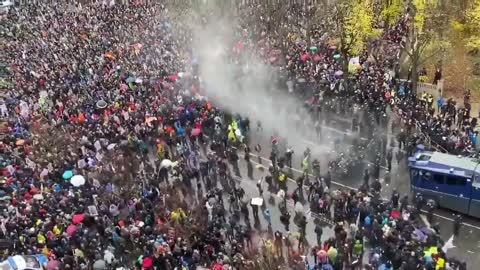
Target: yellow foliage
x,y
422,14
392,12
358,26
473,26
458,26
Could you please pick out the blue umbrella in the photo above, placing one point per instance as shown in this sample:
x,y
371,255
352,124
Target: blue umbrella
x,y
67,175
327,267
130,79
420,235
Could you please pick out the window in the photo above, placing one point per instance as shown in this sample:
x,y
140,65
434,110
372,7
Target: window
x,y
439,179
456,180
423,158
427,176
413,173
476,182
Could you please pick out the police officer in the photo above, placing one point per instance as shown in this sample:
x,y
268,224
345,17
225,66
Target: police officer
x,y
457,224
395,198
285,219
366,178
258,149
289,156
316,168
389,159
430,209
328,179
318,232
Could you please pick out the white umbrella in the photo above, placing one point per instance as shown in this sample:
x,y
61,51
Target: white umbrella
x,y
38,197
101,104
77,180
167,163
100,264
108,257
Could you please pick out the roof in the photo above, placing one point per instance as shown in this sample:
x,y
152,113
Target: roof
x,y
445,162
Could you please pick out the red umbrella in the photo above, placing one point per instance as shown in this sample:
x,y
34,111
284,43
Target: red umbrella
x,y
217,266
317,58
147,263
77,219
173,77
195,132
71,230
395,214
305,57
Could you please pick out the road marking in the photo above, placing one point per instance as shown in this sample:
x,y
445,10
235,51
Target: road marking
x,y
352,188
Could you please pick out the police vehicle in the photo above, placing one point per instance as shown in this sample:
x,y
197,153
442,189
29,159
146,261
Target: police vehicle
x,y
453,182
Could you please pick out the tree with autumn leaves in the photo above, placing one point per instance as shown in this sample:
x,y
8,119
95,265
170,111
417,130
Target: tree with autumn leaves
x,y
425,39
469,25
354,28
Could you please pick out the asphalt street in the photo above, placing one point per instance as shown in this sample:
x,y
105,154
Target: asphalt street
x,y
467,245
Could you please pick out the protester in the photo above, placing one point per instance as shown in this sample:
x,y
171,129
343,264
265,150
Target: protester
x,y
112,158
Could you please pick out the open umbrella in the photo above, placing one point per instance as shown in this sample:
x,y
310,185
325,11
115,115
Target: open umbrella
x,y
77,219
173,78
130,79
108,256
313,48
305,57
420,235
101,104
77,180
317,58
327,267
301,80
99,265
67,175
336,56
166,163
195,132
38,197
71,230
396,214
338,73
260,167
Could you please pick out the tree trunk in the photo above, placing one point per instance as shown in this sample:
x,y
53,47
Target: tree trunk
x,y
345,62
414,76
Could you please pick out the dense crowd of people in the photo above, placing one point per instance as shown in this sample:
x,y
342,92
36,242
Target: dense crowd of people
x,y
111,156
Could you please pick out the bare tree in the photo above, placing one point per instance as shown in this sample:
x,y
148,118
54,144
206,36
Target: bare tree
x,y
53,146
